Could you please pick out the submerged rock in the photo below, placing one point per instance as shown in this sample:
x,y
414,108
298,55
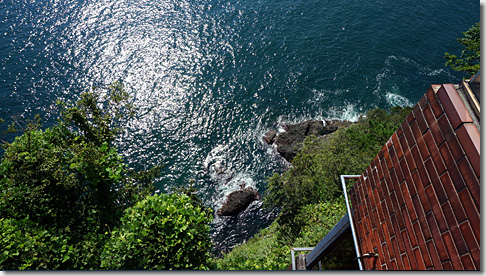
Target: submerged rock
x,y
238,201
288,142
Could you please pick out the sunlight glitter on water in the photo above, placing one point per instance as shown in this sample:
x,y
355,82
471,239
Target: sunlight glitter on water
x,y
211,77
161,51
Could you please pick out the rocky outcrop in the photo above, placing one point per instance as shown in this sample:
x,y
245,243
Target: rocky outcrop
x,y
269,138
238,201
288,142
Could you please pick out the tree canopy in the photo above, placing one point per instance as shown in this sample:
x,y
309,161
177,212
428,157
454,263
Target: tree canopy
x,y
469,59
70,176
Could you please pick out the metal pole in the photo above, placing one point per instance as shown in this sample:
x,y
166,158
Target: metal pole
x,y
293,249
350,216
293,258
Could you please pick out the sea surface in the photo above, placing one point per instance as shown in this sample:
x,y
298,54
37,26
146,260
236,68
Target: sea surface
x,y
211,77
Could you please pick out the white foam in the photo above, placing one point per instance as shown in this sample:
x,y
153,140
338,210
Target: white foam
x,y
234,184
436,72
395,99
347,112
393,67
218,167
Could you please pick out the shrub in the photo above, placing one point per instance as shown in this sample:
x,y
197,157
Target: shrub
x,y
26,247
65,186
70,175
317,220
160,232
264,251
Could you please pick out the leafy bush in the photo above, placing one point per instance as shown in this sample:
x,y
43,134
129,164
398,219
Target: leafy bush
x,y
317,220
160,232
27,247
57,180
70,175
65,186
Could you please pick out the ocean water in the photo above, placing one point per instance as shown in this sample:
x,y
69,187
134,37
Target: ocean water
x,y
211,77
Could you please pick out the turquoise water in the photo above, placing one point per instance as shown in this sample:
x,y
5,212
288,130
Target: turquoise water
x,y
210,77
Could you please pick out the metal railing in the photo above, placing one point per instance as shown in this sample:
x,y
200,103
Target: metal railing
x,y
351,223
338,229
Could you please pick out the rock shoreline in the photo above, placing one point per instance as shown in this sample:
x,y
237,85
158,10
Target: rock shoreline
x,y
289,141
288,144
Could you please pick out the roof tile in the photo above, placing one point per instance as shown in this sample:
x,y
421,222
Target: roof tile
x,y
470,139
453,105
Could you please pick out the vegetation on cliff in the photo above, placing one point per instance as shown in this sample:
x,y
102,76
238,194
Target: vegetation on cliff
x,y
67,197
309,194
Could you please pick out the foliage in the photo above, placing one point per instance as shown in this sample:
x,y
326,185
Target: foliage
x,y
191,192
160,232
264,251
267,251
68,183
314,175
29,247
471,53
57,180
371,133
70,176
317,220
98,115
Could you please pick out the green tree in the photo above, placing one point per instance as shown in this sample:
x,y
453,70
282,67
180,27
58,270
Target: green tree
x,y
70,176
69,181
471,53
162,232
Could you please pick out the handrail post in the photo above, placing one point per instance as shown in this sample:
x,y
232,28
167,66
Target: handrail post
x,y
355,238
293,258
293,249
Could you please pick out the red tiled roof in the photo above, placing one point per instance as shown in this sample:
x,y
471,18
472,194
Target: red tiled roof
x,y
417,205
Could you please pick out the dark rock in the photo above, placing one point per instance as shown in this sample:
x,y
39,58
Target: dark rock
x,y
238,201
269,138
288,142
